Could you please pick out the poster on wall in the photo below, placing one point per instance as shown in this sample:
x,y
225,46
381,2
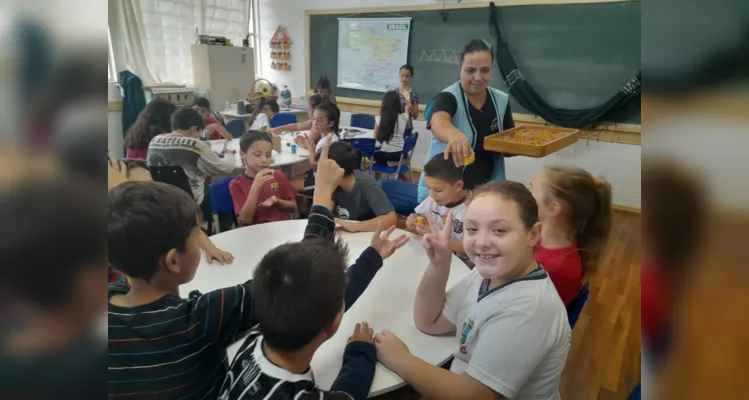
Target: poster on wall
x,y
370,51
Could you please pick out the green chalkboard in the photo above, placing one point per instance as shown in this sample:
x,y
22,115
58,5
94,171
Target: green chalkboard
x,y
574,55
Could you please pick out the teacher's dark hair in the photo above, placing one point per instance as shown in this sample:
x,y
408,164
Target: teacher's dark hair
x,y
407,67
476,45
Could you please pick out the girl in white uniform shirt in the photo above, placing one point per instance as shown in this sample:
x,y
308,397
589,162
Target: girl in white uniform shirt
x,y
267,109
511,327
390,129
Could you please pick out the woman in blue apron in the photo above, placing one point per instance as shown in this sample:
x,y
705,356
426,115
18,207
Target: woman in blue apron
x,y
466,112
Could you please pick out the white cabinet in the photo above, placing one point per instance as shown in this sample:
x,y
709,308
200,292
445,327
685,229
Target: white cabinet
x,y
227,72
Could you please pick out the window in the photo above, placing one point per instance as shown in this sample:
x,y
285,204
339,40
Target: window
x,y
170,29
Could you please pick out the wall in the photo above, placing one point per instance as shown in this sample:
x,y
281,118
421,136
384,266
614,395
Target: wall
x,y
615,162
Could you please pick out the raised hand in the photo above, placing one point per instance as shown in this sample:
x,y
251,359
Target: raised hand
x,y
327,178
382,243
437,241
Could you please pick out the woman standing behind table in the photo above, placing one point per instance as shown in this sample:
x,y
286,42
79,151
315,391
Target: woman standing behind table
x,y
154,120
390,129
409,98
466,112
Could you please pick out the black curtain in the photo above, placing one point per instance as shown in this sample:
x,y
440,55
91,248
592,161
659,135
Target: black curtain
x,y
524,93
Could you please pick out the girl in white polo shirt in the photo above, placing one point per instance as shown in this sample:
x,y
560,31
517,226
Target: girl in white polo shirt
x,y
511,328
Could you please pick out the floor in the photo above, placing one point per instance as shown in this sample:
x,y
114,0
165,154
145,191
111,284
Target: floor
x,y
604,362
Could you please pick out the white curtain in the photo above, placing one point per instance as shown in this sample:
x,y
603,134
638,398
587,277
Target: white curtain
x,y
157,34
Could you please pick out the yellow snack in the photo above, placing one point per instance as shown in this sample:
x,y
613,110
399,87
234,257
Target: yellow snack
x,y
469,160
421,220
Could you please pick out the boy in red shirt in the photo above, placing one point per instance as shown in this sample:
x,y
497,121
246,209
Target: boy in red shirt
x,y
203,107
261,194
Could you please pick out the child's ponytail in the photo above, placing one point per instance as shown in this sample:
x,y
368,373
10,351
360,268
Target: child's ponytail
x,y
258,109
588,201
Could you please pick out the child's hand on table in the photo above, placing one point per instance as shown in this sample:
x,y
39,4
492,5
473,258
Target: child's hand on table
x,y
362,333
391,351
382,243
223,257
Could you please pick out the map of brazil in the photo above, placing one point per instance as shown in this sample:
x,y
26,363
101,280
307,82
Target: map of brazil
x,y
370,52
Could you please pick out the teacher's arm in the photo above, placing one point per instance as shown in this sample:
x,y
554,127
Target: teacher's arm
x,y
445,106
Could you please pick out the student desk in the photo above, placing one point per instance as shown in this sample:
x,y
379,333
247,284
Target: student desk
x,y
387,303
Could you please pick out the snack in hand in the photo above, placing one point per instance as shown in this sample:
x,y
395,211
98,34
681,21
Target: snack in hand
x,y
469,160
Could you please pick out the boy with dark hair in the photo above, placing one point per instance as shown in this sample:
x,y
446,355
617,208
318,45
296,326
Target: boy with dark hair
x,y
300,294
158,341
359,196
54,260
445,183
212,125
184,148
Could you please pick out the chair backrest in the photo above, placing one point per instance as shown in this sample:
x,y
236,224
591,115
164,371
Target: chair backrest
x,y
235,127
173,175
365,121
221,201
409,143
282,119
402,195
364,146
576,305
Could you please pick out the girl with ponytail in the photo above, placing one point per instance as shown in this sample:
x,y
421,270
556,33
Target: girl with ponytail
x,y
574,209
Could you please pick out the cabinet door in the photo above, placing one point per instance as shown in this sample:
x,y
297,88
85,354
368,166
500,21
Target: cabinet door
x,y
232,72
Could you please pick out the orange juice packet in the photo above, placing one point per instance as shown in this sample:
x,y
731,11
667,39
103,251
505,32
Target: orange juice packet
x,y
469,160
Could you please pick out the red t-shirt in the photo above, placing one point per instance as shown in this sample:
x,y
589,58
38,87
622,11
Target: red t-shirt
x,y
279,186
654,292
564,269
210,121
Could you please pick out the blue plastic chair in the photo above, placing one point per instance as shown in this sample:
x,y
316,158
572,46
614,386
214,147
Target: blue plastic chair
x,y
365,121
576,305
282,119
365,147
221,201
402,195
404,164
235,127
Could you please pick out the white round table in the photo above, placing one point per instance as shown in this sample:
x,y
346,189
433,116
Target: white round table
x,y
284,158
387,303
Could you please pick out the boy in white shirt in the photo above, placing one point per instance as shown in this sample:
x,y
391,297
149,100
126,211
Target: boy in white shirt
x,y
445,183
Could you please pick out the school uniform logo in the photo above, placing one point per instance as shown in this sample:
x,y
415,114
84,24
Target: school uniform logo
x,y
465,334
495,125
457,226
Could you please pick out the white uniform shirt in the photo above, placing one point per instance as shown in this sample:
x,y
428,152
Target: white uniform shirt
x,y
395,144
261,120
513,339
440,212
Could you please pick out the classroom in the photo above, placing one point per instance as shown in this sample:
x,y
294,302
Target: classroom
x,y
346,199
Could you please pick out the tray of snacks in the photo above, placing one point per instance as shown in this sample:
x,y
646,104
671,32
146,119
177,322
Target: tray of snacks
x,y
532,141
